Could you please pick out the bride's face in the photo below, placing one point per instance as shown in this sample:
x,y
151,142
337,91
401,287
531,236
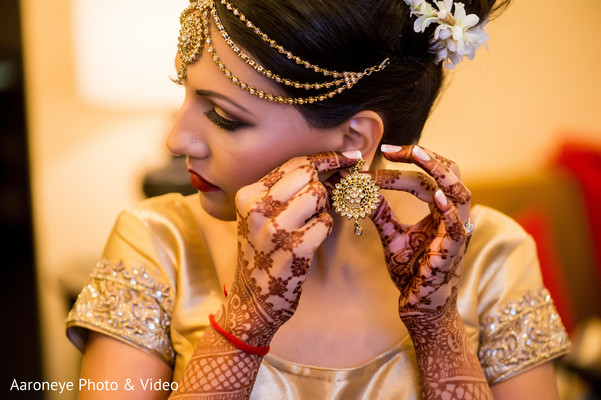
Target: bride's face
x,y
232,138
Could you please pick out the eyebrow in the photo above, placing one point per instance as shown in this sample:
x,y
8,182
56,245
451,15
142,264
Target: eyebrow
x,y
210,93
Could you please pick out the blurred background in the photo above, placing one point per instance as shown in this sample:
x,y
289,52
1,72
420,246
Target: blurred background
x,y
86,103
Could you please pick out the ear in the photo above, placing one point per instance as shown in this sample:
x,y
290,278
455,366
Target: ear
x,y
363,132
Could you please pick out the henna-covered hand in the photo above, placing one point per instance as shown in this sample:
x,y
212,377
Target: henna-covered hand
x,y
282,219
424,261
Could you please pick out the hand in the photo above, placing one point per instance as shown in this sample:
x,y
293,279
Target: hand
x,y
424,259
282,220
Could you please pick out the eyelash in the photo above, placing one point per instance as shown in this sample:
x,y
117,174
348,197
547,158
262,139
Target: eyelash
x,y
219,120
223,123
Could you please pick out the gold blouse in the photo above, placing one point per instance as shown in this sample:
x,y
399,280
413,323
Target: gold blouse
x,y
156,285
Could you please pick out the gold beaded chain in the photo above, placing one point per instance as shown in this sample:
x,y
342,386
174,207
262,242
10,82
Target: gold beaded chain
x,y
195,33
259,68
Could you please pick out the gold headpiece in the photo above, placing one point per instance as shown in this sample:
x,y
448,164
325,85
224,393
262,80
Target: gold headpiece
x,y
195,33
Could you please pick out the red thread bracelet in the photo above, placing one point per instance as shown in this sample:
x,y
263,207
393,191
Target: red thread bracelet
x,y
237,343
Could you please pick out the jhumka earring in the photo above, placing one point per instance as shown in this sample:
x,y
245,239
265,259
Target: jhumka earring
x,y
356,196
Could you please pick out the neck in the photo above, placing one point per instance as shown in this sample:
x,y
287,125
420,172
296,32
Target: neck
x,y
343,252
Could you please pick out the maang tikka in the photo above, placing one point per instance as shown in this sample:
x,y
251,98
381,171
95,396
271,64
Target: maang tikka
x,y
356,196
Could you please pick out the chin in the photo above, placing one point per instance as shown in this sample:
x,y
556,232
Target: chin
x,y
218,208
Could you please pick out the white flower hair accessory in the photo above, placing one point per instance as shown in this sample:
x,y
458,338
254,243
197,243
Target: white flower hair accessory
x,y
455,36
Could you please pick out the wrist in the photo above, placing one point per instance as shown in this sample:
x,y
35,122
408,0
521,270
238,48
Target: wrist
x,y
435,322
418,319
237,343
444,351
244,322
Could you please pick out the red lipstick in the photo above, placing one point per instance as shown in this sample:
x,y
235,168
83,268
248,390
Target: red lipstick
x,y
200,183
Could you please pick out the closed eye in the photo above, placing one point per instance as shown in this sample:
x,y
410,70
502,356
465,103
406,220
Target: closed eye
x,y
222,122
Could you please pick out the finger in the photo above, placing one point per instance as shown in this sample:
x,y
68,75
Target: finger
x,y
435,165
448,176
454,231
292,183
321,162
311,200
408,154
332,160
387,224
314,232
417,183
330,184
444,171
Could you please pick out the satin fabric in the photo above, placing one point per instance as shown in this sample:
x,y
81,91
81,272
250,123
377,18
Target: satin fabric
x,y
162,238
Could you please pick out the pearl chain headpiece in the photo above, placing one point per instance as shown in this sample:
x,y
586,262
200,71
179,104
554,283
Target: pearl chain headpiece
x,y
455,36
195,33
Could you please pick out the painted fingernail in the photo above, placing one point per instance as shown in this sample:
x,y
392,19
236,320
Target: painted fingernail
x,y
419,153
354,154
389,148
442,199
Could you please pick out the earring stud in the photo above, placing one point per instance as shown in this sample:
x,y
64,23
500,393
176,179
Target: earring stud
x,y
356,196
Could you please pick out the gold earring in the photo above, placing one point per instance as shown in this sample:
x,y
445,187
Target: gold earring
x,y
356,196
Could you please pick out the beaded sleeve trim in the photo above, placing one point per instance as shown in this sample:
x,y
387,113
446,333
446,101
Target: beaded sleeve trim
x,y
524,333
127,303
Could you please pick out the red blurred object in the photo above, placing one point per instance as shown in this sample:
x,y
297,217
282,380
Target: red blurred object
x,y
583,161
536,222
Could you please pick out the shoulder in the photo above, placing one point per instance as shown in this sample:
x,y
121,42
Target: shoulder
x,y
499,245
170,206
505,303
490,224
501,260
158,221
131,293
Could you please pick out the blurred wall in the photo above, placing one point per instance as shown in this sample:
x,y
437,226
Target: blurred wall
x,y
87,164
501,115
504,112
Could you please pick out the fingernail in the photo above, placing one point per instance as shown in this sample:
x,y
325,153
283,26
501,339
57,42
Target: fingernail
x,y
442,199
354,154
419,153
389,148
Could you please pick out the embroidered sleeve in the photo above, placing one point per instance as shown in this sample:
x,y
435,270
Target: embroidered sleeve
x,y
521,335
127,303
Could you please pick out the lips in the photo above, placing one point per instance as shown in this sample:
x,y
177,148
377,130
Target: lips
x,y
200,183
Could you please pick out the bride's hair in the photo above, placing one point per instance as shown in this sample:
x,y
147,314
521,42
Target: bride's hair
x,y
350,35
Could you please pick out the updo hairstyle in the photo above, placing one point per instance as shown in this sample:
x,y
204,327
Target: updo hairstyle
x,y
350,35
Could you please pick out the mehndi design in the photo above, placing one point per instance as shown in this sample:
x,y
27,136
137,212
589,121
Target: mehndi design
x,y
282,219
424,261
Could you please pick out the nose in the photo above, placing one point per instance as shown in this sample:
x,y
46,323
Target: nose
x,y
185,136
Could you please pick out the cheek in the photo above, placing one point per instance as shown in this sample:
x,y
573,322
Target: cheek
x,y
238,164
249,166
246,159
